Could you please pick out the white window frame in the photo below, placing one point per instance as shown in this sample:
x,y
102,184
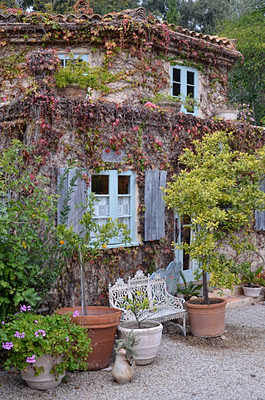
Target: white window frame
x,y
113,204
184,84
63,57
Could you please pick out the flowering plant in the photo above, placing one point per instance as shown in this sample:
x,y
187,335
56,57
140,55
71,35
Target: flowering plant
x,y
24,337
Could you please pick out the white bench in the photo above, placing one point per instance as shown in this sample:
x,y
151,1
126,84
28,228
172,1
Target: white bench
x,y
162,306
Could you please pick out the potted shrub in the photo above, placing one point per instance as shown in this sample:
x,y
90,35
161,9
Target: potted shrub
x,y
86,245
188,289
42,347
77,77
218,188
148,333
252,283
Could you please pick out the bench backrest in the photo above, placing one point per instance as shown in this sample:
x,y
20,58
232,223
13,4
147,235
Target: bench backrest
x,y
140,286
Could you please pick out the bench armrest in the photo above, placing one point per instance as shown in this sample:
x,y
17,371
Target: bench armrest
x,y
175,302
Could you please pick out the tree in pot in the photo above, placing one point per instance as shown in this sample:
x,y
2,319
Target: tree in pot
x,y
148,333
218,188
86,244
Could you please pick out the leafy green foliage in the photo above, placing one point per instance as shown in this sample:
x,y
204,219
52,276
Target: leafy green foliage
x,y
30,253
188,289
32,336
80,72
137,304
247,79
249,277
128,343
218,189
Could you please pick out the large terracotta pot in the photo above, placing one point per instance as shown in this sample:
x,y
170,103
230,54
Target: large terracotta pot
x,y
46,380
149,337
101,323
207,320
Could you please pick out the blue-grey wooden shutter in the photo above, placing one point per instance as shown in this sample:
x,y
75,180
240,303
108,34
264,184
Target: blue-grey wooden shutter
x,y
260,215
154,227
73,197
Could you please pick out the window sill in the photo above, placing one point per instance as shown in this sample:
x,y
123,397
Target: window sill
x,y
116,245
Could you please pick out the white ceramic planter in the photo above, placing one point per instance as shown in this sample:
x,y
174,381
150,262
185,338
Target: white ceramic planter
x,y
46,380
229,114
149,339
252,291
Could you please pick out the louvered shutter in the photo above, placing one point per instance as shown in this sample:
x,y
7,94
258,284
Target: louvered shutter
x,y
260,215
154,204
71,197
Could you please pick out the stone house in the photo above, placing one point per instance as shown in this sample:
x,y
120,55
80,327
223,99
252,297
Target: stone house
x,y
128,149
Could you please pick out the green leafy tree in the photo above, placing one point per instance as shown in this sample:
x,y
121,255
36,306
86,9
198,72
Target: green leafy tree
x,y
247,79
173,12
218,189
158,8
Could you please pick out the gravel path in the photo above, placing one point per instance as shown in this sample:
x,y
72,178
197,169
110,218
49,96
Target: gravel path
x,y
228,368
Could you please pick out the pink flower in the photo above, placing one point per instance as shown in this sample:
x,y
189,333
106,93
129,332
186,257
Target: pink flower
x,y
150,105
76,313
31,360
7,345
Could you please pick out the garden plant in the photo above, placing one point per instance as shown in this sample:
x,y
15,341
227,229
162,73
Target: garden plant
x,y
218,188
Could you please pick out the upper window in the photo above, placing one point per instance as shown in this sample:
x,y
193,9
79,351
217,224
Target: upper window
x,y
64,57
115,198
184,82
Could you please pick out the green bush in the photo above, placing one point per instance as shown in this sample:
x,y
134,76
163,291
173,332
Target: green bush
x,y
30,251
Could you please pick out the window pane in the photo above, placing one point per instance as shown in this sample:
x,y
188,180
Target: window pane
x,y
123,206
101,207
176,74
123,184
100,184
190,78
190,91
176,89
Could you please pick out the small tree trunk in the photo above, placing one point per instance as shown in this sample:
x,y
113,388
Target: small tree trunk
x,y
83,299
205,287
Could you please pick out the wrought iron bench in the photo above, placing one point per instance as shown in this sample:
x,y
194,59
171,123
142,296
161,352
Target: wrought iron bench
x,y
162,306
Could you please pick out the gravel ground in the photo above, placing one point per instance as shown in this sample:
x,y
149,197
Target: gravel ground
x,y
227,368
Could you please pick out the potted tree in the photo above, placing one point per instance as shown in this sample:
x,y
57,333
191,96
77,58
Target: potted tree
x,y
148,333
218,188
86,245
42,347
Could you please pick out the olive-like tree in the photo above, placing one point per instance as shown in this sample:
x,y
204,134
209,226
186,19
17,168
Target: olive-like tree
x,y
218,188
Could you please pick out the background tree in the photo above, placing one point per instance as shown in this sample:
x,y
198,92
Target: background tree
x,y
158,8
247,79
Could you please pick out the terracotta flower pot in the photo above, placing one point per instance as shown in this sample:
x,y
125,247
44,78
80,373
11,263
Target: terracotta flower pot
x,y
207,320
101,323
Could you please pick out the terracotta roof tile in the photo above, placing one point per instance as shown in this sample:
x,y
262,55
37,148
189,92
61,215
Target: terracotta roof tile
x,y
139,14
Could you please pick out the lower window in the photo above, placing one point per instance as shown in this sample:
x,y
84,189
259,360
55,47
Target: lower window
x,y
115,198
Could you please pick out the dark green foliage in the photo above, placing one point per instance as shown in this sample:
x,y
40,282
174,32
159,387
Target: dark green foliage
x,y
188,289
247,79
30,252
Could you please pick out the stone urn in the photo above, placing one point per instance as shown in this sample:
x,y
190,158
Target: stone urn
x,y
122,371
46,379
